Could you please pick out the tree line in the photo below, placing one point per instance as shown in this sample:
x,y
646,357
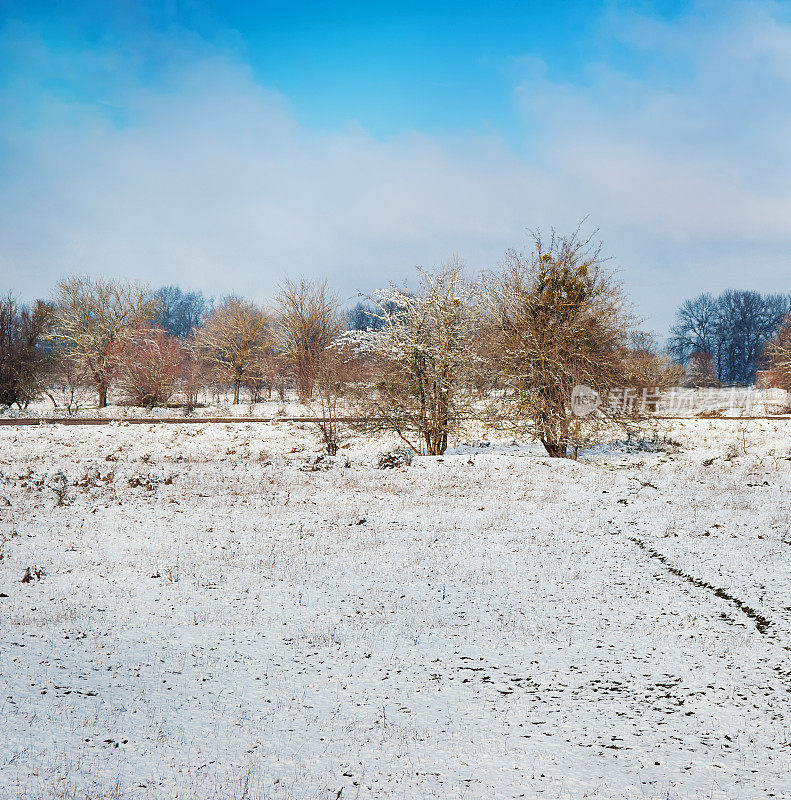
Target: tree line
x,y
511,347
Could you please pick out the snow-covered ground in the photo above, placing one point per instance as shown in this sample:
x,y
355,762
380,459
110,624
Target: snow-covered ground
x,y
676,402
211,405
219,616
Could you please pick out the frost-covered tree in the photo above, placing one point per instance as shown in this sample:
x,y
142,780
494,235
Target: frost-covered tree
x,y
363,317
421,360
700,372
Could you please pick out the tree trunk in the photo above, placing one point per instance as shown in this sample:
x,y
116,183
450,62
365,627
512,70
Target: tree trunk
x,y
436,442
305,387
236,392
555,449
102,397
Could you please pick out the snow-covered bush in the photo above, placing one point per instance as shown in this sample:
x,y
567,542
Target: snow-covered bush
x,y
148,366
33,573
320,463
59,484
150,481
392,459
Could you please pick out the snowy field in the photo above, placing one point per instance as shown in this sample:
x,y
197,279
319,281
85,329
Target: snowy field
x,y
213,614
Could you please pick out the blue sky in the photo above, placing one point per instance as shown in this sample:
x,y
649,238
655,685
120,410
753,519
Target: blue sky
x,y
223,146
391,67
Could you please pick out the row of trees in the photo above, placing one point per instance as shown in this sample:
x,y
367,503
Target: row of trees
x,y
512,347
103,333
112,333
735,328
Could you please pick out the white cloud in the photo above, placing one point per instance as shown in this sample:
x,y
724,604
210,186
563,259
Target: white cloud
x,y
213,184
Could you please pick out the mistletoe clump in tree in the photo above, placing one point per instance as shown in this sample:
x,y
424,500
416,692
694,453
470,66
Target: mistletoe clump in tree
x,y
559,322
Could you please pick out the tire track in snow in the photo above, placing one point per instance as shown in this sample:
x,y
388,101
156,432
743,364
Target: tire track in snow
x,y
763,624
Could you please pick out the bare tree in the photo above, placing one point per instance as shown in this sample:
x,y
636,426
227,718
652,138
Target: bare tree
x,y
193,371
21,356
421,360
309,319
700,372
91,316
234,338
696,327
747,320
561,324
180,312
337,372
268,369
67,380
778,354
648,370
